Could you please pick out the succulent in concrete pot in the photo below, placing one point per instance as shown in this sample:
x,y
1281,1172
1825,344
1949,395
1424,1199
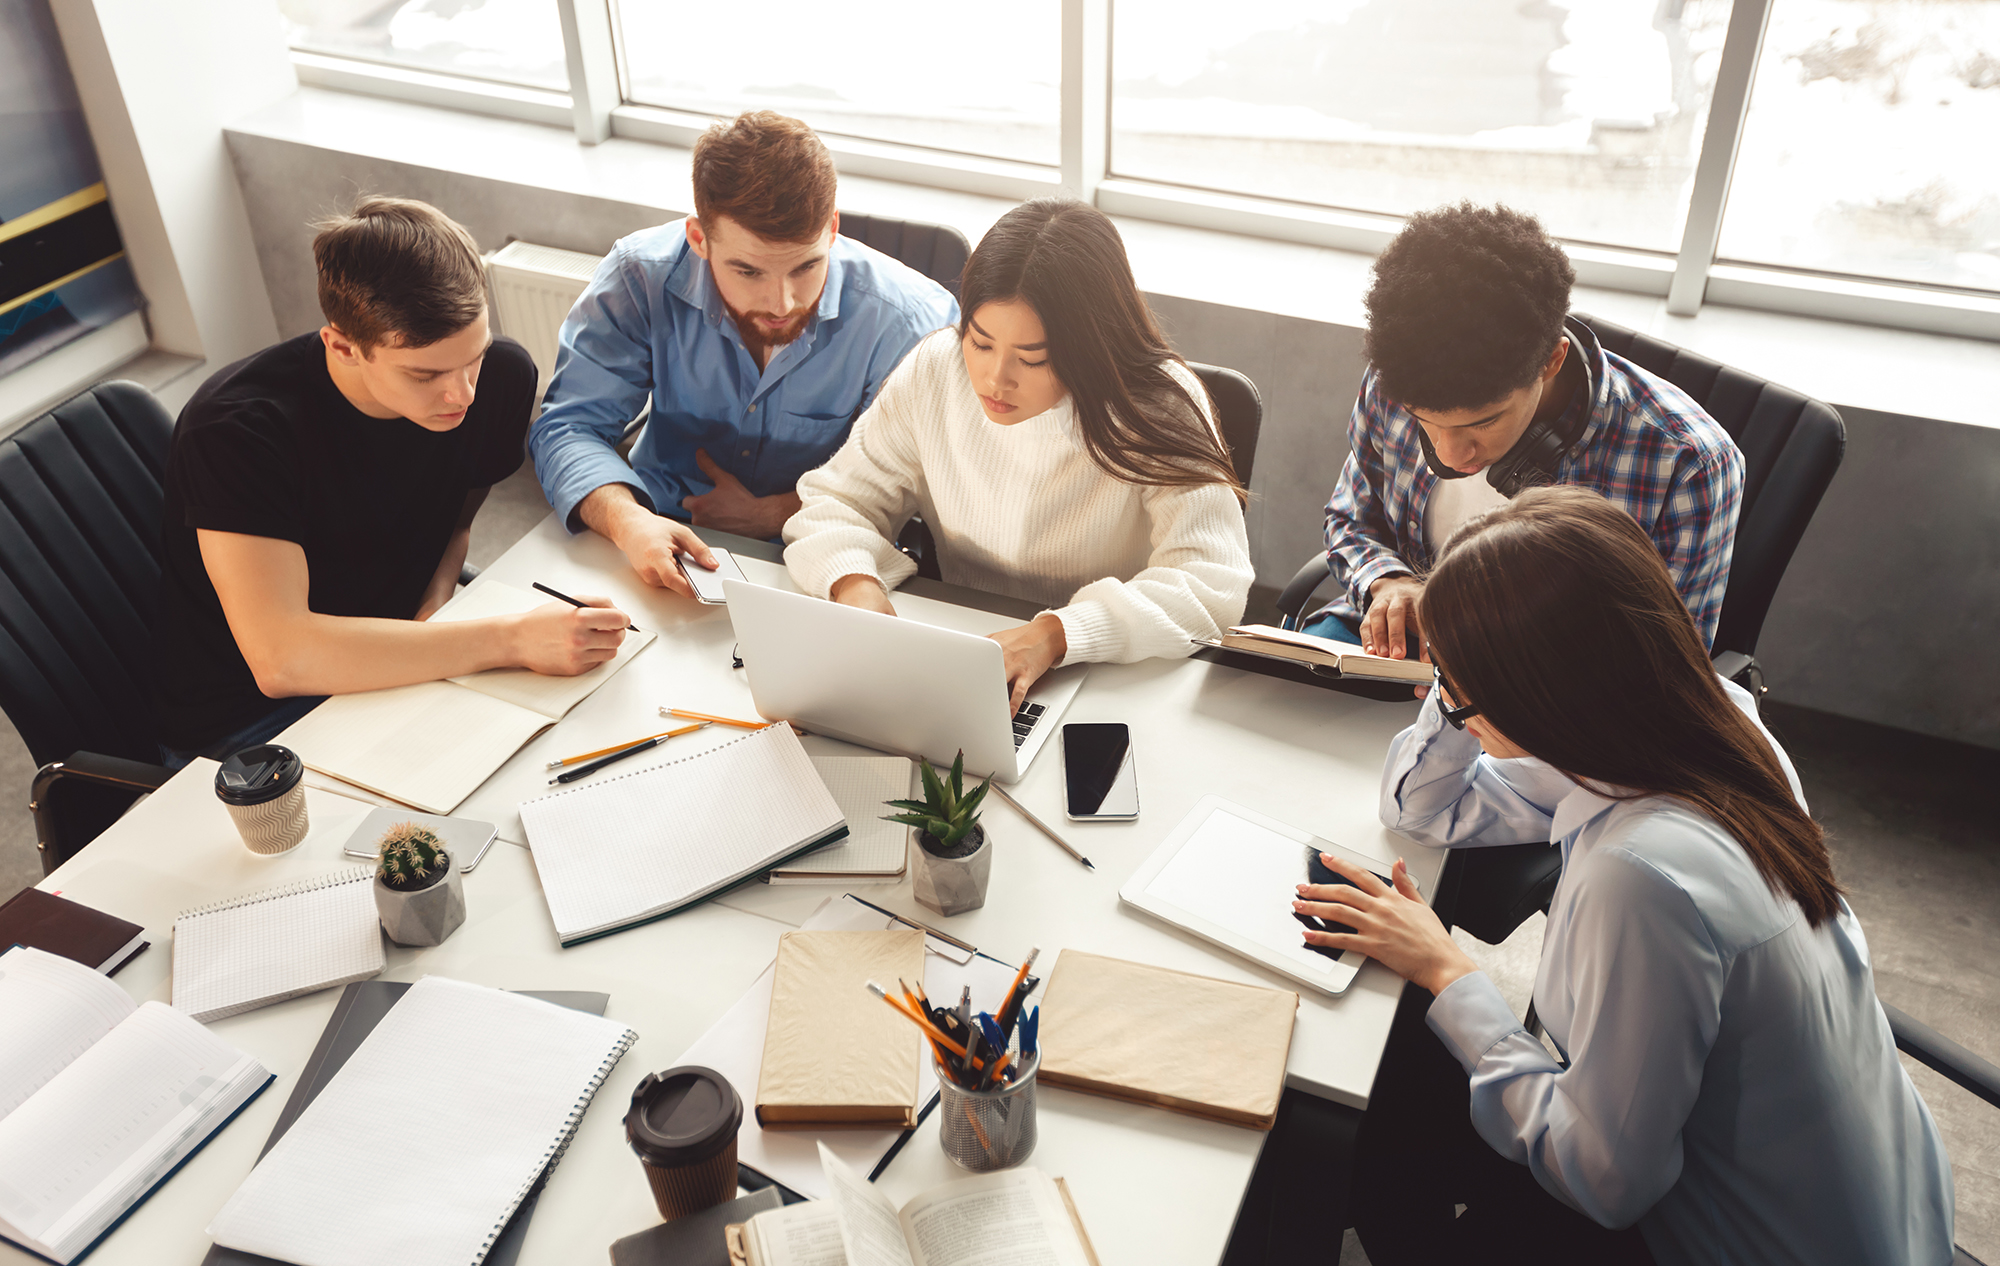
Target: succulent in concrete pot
x,y
418,893
953,860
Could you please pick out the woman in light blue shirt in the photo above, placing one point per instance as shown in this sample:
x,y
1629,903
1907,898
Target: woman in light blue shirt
x,y
1727,1089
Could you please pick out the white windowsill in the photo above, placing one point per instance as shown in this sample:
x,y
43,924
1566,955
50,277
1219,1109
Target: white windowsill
x,y
1895,371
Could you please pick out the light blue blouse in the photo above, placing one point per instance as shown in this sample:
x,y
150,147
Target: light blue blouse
x,y
1732,1085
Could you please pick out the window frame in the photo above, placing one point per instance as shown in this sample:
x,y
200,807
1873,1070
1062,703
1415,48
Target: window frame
x,y
596,109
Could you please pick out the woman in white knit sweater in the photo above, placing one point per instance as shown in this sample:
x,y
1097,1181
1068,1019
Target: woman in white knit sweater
x,y
1059,451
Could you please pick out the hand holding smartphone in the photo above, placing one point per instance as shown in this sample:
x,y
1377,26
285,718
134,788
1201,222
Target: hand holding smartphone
x,y
707,585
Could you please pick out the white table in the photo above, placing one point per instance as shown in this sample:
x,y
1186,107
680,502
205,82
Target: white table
x,y
1152,1186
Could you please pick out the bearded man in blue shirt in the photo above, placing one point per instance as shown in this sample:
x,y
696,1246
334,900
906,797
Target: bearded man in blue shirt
x,y
759,333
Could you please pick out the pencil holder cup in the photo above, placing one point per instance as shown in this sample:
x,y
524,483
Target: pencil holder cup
x,y
985,1130
264,790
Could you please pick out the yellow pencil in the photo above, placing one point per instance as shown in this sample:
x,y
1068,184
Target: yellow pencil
x,y
703,716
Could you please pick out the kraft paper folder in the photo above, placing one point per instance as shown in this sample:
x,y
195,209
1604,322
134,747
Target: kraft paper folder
x,y
834,1053
1193,1044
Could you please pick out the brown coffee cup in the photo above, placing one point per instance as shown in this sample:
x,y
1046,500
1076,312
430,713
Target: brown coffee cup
x,y
682,1125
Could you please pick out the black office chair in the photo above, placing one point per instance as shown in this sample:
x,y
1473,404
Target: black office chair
x,y
80,559
1239,414
938,251
1792,445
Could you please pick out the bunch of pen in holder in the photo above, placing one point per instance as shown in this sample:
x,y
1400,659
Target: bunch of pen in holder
x,y
986,1081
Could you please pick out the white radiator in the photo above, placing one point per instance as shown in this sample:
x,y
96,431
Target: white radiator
x,y
534,288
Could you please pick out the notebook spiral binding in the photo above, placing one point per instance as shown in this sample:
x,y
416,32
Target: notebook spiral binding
x,y
570,1123
653,769
346,875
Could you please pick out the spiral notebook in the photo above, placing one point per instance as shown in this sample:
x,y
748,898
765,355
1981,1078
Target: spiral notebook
x,y
625,850
250,951
471,1093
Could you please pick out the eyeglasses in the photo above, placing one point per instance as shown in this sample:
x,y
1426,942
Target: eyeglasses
x,y
1457,716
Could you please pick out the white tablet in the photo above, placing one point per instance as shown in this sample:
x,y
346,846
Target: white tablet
x,y
1229,875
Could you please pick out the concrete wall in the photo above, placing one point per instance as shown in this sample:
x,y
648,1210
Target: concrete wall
x,y
1887,613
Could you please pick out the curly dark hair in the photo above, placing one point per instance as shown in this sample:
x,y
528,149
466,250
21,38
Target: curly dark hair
x,y
1466,307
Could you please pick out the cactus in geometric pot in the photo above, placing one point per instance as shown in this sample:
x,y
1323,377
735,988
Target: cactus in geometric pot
x,y
418,892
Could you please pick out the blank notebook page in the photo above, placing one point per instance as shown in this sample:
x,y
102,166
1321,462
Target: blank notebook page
x,y
550,696
609,852
424,1143
429,745
860,785
240,954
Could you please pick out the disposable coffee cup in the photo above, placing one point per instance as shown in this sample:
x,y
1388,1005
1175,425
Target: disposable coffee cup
x,y
683,1125
264,790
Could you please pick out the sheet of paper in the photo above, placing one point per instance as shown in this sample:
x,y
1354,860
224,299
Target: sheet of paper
x,y
734,1047
868,1226
429,745
553,697
51,1011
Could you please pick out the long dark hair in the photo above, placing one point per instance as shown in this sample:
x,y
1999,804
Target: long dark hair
x,y
1065,260
1555,617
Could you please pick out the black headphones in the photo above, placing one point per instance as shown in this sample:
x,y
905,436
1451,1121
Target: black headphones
x,y
1541,448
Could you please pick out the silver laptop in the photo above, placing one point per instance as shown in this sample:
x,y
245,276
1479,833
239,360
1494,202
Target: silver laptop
x,y
891,683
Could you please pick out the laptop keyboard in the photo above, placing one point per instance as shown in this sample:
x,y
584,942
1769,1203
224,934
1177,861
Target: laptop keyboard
x,y
1025,721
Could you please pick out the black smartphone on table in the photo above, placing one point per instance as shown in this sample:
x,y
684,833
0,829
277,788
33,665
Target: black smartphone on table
x,y
1100,776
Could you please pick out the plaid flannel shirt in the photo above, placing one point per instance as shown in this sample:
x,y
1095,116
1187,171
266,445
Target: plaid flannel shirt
x,y
1647,447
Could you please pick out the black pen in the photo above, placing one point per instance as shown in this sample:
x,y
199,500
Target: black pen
x,y
646,746
574,602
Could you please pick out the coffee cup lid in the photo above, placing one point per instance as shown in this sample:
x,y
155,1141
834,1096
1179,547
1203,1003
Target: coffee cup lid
x,y
258,774
682,1116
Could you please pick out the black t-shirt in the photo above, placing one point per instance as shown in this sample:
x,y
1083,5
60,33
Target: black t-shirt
x,y
270,447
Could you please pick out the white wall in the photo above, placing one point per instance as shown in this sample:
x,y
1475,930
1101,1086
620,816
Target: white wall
x,y
159,79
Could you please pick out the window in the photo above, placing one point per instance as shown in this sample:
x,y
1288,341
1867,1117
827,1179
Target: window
x,y
1589,113
512,41
956,77
1869,146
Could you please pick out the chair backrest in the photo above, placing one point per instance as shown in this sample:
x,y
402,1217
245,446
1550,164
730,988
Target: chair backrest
x,y
1792,445
81,489
938,251
1239,411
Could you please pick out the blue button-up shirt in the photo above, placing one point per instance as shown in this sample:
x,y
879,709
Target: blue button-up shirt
x,y
1731,1084
653,322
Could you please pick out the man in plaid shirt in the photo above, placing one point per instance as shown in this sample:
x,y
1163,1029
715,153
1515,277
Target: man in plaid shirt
x,y
1470,345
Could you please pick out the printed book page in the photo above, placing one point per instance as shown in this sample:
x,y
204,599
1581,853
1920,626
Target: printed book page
x,y
1012,1218
552,697
429,745
805,1234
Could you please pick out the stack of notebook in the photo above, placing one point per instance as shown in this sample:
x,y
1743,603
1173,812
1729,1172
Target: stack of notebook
x,y
421,1148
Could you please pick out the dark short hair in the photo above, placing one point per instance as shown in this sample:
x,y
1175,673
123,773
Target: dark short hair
x,y
396,267
769,173
1467,306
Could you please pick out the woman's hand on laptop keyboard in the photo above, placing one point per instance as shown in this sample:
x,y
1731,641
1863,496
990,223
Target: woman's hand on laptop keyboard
x,y
864,591
1031,649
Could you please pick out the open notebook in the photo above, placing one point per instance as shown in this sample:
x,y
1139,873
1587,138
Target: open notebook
x,y
459,1100
250,951
623,850
430,745
100,1100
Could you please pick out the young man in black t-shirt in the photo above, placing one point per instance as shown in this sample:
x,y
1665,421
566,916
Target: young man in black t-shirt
x,y
320,495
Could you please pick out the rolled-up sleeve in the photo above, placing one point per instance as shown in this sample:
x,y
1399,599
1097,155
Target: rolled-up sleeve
x,y
1604,1134
603,374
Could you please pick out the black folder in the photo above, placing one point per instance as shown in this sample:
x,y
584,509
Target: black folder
x,y
361,1007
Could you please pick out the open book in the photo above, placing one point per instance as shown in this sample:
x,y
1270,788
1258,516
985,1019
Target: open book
x,y
1319,652
1021,1217
430,745
100,1100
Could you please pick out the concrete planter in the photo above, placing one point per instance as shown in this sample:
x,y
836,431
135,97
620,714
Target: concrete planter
x,y
425,916
953,885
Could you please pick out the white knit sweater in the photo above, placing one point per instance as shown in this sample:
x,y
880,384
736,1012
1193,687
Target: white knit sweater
x,y
1132,571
